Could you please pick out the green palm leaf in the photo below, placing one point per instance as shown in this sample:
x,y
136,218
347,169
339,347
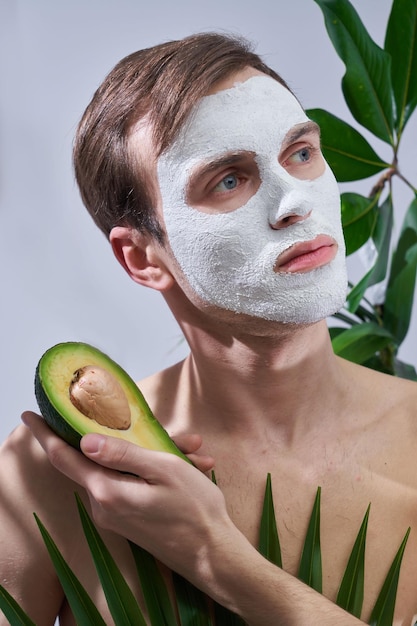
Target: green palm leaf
x,y
269,545
383,611
83,608
194,609
191,603
154,589
122,603
13,612
350,595
310,570
224,617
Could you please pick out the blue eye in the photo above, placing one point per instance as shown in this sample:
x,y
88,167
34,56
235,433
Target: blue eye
x,y
302,155
228,182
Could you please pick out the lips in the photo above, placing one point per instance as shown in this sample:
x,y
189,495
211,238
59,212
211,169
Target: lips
x,y
307,255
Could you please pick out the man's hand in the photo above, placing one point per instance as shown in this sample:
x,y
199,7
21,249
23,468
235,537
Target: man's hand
x,y
179,515
154,499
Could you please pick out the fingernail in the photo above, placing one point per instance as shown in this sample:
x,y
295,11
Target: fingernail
x,y
92,443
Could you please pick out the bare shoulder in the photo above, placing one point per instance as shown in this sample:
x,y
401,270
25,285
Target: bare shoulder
x,y
383,391
387,406
28,480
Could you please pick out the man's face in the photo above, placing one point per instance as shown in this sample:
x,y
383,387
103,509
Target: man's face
x,y
251,209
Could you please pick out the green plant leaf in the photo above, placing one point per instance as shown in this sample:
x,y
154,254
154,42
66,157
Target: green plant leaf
x,y
378,364
224,617
359,215
406,240
310,570
410,218
405,370
400,296
367,82
120,599
11,609
401,284
383,611
269,545
351,591
154,590
191,603
360,342
348,153
401,44
334,331
382,239
83,608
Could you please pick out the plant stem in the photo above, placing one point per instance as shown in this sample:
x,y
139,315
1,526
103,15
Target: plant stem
x,y
407,182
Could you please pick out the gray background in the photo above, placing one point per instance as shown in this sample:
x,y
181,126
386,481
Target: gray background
x,y
59,281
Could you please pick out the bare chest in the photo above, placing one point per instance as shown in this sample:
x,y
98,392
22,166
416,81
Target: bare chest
x,y
346,491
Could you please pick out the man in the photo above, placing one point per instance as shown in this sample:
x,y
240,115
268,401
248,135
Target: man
x,y
202,168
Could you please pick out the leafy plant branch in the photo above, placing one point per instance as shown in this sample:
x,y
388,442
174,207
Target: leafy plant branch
x,y
380,90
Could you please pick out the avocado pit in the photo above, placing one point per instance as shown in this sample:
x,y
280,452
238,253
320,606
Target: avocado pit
x,y
98,395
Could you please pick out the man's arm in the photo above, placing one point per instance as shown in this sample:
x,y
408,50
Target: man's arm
x,y
176,513
28,483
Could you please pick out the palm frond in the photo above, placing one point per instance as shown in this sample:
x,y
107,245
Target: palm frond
x,y
82,606
351,591
154,589
383,611
189,606
122,603
269,545
310,570
13,612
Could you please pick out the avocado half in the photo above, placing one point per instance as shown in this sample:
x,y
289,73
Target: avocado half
x,y
72,368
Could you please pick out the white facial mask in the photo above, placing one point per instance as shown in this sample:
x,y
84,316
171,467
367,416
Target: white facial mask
x,y
228,259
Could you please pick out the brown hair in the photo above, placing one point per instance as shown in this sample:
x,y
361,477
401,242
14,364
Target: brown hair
x,y
163,83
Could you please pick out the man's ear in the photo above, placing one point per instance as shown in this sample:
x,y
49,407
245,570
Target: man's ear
x,y
138,254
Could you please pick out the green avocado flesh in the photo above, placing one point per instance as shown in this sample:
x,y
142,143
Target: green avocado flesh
x,y
63,380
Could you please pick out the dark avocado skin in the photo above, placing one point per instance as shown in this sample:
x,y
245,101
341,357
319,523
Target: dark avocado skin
x,y
52,417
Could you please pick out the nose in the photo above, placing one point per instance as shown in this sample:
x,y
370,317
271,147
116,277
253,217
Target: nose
x,y
288,220
291,207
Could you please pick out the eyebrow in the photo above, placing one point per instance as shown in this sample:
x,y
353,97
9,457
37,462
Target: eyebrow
x,y
205,169
223,161
297,133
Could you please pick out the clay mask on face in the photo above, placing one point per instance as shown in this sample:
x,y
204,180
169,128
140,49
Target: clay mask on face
x,y
228,258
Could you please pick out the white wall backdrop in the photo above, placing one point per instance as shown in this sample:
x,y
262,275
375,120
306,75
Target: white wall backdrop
x,y
59,281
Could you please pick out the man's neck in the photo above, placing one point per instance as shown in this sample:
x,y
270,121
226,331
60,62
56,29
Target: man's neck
x,y
290,381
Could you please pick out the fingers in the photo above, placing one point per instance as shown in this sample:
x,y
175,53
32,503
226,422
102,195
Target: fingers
x,y
112,453
189,444
124,456
203,463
